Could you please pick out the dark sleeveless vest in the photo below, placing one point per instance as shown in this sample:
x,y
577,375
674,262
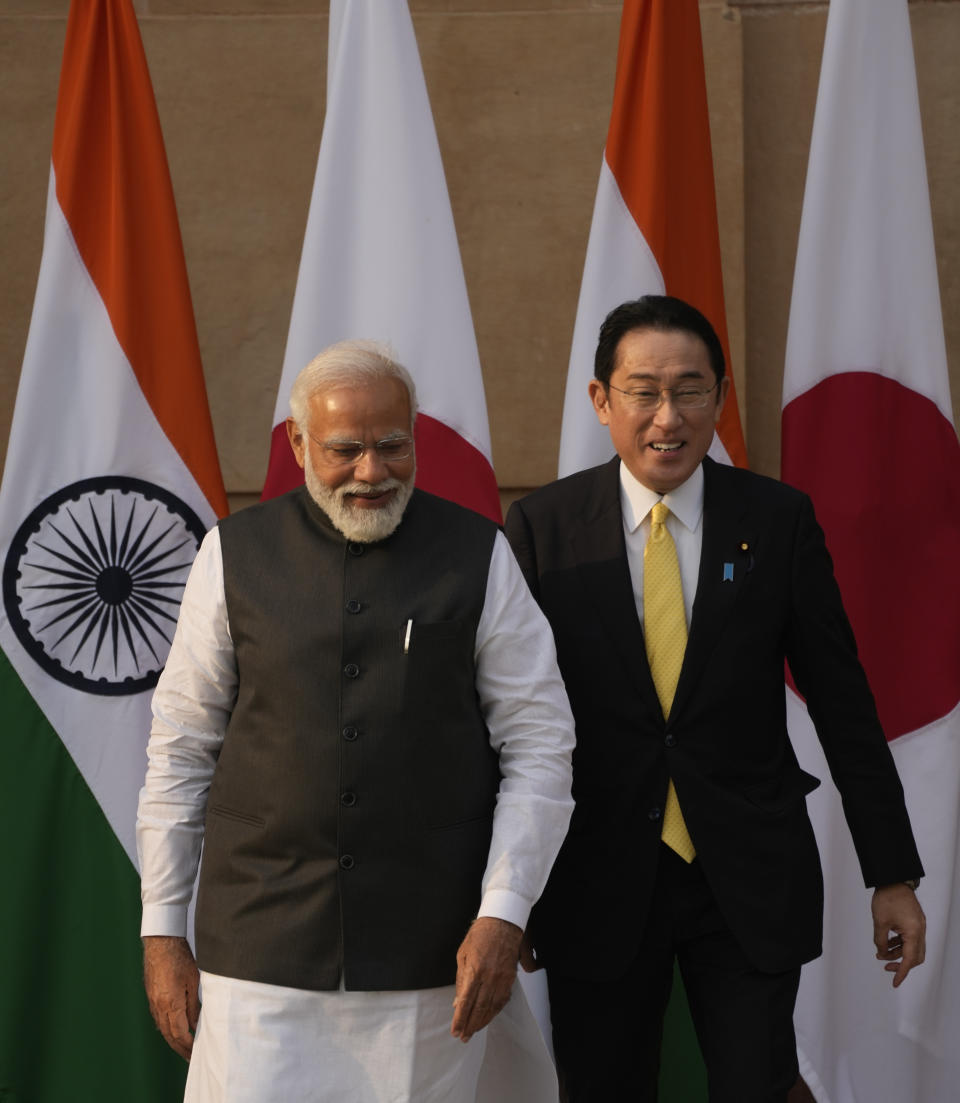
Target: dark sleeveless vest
x,y
349,816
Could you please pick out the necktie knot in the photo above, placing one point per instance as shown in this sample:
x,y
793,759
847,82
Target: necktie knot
x,y
658,522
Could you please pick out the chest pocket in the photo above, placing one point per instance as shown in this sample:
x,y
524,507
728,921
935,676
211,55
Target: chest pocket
x,y
456,769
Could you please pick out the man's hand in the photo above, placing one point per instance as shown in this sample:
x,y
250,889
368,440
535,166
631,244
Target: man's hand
x,y
899,930
172,980
486,969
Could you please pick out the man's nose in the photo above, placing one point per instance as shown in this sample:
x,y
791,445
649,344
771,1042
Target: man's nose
x,y
370,468
667,414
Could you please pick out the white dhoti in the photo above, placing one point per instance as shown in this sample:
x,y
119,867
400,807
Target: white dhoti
x,y
257,1043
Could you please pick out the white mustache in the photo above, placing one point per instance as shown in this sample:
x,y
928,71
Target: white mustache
x,y
368,488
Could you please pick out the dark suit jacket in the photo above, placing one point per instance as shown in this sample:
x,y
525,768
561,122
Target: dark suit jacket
x,y
725,742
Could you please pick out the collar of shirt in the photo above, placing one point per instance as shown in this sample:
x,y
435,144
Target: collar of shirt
x,y
685,503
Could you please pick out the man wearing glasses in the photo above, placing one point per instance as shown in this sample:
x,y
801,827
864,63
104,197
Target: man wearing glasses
x,y
362,719
676,588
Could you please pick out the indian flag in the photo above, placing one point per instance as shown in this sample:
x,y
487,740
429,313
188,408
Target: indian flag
x,y
380,258
111,479
654,229
868,433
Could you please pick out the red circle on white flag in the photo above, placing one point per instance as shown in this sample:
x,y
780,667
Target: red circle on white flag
x,y
882,465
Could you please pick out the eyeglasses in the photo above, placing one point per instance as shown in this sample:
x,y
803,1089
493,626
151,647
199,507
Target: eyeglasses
x,y
651,398
344,453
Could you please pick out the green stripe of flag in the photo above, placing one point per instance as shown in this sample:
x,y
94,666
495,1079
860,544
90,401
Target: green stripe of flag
x,y
74,1021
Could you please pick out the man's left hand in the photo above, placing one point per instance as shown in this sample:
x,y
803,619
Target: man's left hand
x,y
486,969
899,930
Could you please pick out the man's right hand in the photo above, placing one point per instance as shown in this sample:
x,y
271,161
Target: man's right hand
x,y
172,981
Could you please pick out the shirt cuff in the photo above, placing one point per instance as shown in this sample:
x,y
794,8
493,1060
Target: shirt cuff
x,y
507,905
164,919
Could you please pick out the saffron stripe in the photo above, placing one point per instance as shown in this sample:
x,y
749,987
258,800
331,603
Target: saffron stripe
x,y
126,228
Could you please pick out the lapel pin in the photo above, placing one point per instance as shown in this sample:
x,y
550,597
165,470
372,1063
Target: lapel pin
x,y
728,572
744,546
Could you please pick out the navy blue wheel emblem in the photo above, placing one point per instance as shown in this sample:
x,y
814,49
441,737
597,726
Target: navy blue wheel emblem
x,y
93,580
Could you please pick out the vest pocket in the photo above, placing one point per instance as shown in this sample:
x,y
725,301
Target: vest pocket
x,y
437,669
416,701
236,815
482,816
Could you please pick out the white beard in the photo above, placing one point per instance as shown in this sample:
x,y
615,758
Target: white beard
x,y
364,526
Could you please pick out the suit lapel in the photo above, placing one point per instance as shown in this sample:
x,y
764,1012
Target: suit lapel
x,y
726,558
601,557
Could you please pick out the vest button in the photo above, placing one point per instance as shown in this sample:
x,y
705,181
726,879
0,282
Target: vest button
x,y
350,733
670,740
654,814
348,800
352,670
355,549
346,861
353,606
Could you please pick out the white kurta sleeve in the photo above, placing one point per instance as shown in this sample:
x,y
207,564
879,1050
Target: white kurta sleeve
x,y
531,727
191,706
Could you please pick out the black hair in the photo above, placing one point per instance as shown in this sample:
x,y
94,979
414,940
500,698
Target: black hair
x,y
660,312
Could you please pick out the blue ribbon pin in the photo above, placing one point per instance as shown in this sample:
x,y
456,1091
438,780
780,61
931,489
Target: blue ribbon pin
x,y
728,572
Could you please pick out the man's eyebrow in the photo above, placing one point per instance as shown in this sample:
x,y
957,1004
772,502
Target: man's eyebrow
x,y
646,377
394,434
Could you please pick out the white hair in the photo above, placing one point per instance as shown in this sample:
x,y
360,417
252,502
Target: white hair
x,y
348,363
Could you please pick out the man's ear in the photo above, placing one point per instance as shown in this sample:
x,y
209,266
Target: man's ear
x,y
601,400
297,443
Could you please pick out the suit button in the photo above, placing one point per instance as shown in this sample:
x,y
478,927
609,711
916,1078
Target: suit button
x,y
349,733
670,740
353,606
348,800
654,814
355,549
346,861
352,670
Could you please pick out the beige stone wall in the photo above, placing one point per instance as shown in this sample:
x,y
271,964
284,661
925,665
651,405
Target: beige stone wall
x,y
521,95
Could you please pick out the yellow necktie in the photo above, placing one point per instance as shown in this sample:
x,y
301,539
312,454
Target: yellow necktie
x,y
665,633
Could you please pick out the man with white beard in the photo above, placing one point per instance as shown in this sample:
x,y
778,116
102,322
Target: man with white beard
x,y
362,720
